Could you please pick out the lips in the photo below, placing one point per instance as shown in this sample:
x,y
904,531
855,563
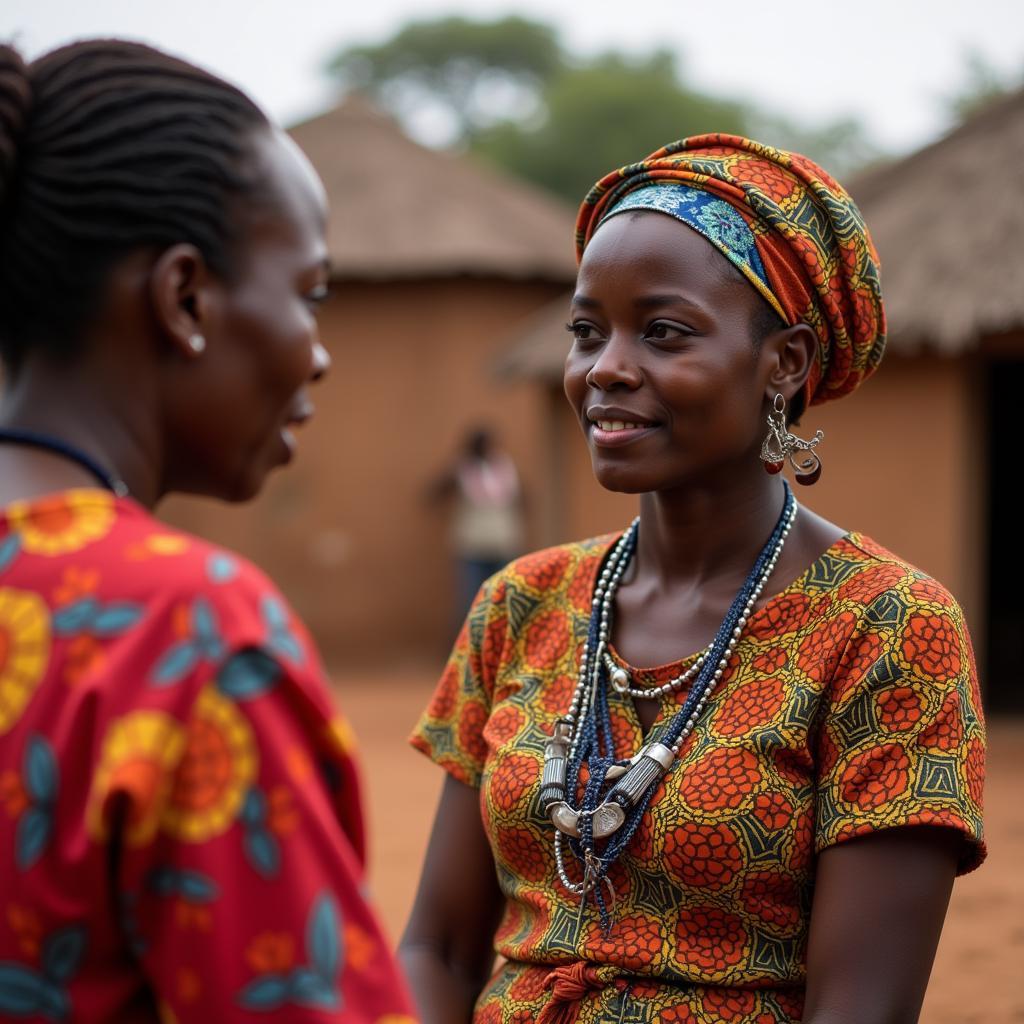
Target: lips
x,y
612,427
300,415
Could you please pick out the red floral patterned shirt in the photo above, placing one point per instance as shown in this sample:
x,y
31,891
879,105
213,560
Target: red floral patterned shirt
x,y
181,835
851,705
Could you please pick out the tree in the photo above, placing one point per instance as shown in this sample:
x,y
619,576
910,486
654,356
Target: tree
x,y
983,83
475,72
508,91
603,114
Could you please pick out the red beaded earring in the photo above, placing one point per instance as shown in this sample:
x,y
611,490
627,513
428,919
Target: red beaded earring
x,y
780,445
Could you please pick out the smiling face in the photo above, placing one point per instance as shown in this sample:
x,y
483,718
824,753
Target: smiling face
x,y
231,425
664,373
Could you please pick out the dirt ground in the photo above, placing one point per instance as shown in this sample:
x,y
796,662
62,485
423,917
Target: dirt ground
x,y
979,968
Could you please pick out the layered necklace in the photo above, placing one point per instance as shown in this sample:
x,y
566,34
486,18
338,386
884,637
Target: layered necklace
x,y
618,790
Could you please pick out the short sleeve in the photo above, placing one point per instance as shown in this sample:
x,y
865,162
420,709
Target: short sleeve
x,y
451,730
242,898
901,738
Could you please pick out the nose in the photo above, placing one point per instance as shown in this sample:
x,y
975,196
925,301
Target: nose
x,y
321,362
616,365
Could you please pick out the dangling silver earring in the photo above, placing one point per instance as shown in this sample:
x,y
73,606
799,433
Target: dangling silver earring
x,y
780,445
197,343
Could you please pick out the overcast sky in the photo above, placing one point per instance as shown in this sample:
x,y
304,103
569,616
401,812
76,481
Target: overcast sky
x,y
888,62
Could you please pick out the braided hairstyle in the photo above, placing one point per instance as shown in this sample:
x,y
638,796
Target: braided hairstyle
x,y
107,147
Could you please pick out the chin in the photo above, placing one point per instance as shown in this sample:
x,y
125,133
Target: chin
x,y
622,479
245,489
234,490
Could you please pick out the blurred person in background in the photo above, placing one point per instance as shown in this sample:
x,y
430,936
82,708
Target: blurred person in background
x,y
181,836
722,766
486,499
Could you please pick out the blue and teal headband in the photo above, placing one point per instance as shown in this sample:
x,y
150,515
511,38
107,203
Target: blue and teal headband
x,y
711,217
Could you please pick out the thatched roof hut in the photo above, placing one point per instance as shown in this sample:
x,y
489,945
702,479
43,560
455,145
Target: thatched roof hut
x,y
949,225
400,210
436,257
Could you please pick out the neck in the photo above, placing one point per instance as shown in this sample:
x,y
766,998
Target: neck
x,y
697,534
103,420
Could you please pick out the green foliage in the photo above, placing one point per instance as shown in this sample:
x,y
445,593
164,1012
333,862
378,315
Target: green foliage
x,y
458,63
510,93
983,83
603,114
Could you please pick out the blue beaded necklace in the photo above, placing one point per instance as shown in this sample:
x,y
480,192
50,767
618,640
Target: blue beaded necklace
x,y
614,814
34,439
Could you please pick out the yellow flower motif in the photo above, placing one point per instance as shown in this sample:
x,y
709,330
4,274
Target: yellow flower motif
x,y
165,1014
166,543
159,544
216,772
140,754
341,735
64,523
24,651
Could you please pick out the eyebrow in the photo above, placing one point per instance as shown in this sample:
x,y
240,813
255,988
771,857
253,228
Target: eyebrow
x,y
644,302
647,301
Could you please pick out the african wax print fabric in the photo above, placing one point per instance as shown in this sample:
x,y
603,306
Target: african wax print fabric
x,y
819,259
181,834
851,705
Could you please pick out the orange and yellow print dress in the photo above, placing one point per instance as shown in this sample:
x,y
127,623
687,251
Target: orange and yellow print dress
x,y
181,835
851,705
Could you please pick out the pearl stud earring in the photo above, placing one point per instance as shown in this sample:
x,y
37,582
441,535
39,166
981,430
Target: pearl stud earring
x,y
197,343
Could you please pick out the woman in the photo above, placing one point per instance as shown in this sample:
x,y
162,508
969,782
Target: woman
x,y
486,532
180,826
764,831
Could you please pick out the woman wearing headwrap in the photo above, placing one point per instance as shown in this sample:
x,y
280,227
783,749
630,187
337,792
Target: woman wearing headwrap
x,y
764,824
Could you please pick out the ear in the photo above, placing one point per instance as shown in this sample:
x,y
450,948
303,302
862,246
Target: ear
x,y
179,288
790,356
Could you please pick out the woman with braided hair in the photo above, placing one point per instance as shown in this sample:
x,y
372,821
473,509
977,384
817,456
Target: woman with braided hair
x,y
727,762
181,836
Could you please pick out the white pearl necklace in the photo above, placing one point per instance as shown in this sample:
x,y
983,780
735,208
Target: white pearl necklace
x,y
584,695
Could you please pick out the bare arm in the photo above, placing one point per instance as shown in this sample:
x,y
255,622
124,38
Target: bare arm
x,y
879,903
447,948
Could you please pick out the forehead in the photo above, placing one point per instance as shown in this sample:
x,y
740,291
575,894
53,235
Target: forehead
x,y
293,200
650,240
646,251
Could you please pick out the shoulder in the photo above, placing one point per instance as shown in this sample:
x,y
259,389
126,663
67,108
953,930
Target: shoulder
x,y
867,573
558,575
109,567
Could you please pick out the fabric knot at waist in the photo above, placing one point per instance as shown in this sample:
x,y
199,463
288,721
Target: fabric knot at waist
x,y
569,984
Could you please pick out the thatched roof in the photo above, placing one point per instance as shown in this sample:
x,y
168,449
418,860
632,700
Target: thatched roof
x,y
400,210
949,225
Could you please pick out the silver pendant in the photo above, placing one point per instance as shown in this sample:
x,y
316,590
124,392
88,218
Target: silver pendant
x,y
620,680
608,818
565,819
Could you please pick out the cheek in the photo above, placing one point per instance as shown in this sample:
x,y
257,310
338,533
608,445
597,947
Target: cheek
x,y
574,379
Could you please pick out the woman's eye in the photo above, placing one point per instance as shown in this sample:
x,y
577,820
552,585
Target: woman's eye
x,y
317,295
581,330
662,331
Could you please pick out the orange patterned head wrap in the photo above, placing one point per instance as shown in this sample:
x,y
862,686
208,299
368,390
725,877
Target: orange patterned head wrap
x,y
820,265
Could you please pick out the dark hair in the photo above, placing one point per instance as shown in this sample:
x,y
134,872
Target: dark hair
x,y
105,147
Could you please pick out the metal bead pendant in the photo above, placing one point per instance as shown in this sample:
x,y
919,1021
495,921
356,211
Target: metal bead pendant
x,y
620,680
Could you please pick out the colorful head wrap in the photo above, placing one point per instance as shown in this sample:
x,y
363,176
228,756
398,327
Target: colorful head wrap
x,y
804,248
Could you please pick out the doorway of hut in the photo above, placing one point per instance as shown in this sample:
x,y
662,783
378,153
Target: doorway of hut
x,y
1004,689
